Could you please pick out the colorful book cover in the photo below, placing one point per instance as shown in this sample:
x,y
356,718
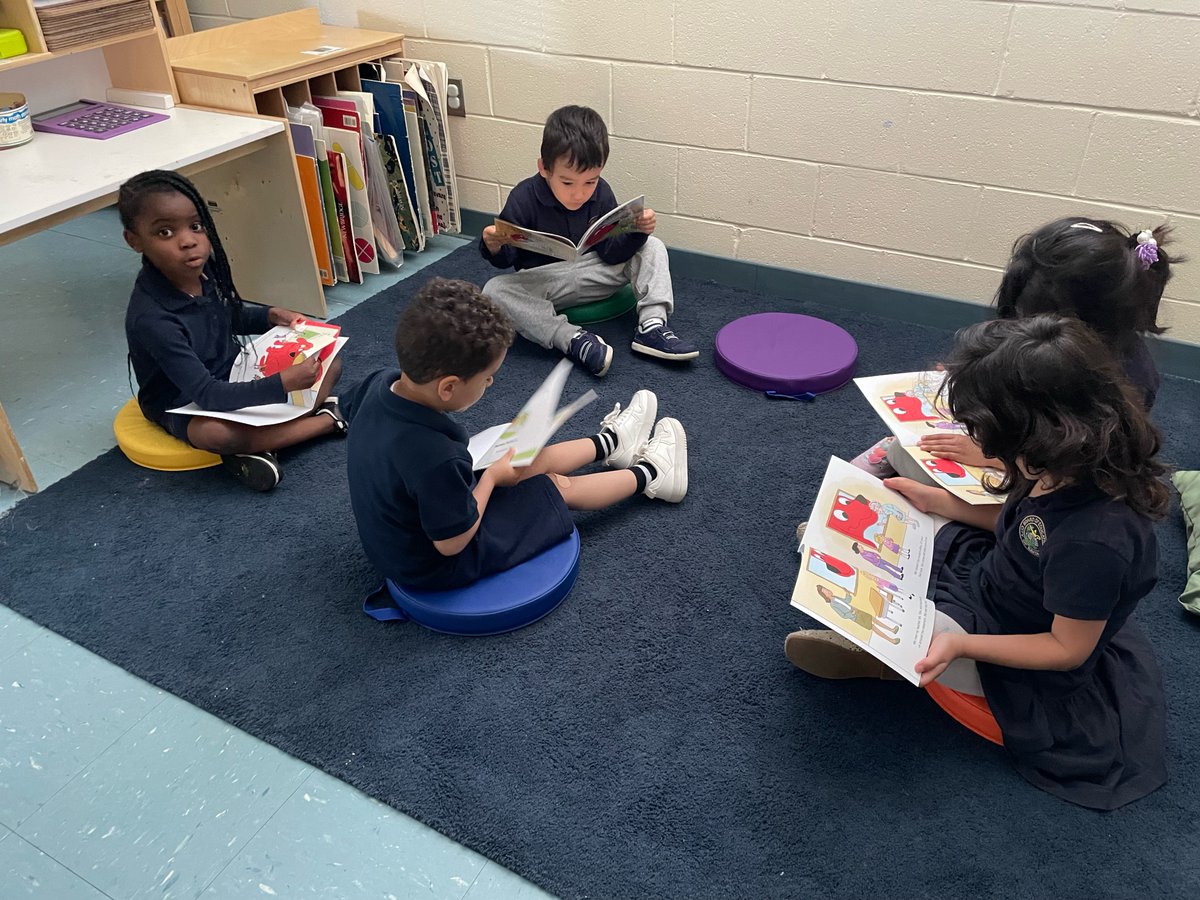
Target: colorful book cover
x,y
911,405
310,185
349,144
329,207
341,196
389,104
414,237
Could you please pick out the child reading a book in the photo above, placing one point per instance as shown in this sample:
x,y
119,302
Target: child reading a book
x,y
564,198
1038,607
1091,269
180,325
425,520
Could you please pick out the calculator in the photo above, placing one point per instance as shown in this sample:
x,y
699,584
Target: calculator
x,y
91,119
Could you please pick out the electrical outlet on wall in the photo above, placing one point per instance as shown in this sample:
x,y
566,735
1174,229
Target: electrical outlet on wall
x,y
456,103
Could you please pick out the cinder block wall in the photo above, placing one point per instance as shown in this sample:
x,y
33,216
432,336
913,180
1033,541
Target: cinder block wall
x,y
901,142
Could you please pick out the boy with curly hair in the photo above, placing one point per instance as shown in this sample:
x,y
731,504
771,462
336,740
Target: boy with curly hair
x,y
425,520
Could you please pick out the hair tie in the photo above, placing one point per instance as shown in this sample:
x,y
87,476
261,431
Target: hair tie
x,y
1147,249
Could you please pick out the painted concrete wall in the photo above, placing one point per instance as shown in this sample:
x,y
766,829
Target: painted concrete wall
x,y
891,141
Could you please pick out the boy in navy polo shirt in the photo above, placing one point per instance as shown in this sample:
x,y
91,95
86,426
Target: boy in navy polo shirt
x,y
425,520
565,198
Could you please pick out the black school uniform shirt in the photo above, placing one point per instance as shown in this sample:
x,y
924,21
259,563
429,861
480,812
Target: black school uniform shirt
x,y
1093,735
182,348
411,481
531,204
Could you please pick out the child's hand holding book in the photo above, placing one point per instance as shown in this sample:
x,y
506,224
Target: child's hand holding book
x,y
302,375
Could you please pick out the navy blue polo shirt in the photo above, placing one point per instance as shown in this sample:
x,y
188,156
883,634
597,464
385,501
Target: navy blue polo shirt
x,y
182,348
531,204
410,479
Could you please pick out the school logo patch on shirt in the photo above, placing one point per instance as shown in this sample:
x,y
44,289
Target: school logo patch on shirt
x,y
1033,534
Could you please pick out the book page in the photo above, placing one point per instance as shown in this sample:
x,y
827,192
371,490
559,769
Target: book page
x,y
267,414
963,481
615,222
553,245
857,519
862,606
538,419
909,404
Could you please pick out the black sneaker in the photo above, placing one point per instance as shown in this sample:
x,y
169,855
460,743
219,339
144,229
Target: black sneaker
x,y
257,471
331,408
661,342
591,351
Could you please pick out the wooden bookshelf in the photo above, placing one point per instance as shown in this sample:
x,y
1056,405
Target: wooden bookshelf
x,y
242,164
234,66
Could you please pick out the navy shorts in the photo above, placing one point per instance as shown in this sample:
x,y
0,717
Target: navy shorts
x,y
176,425
519,523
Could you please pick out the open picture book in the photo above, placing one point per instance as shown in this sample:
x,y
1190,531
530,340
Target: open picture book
x,y
911,406
270,353
533,426
865,563
615,222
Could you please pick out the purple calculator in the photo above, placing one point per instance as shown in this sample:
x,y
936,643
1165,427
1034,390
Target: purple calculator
x,y
91,119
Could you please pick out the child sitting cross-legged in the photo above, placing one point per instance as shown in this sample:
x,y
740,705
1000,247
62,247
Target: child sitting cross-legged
x,y
181,325
425,519
565,197
1035,645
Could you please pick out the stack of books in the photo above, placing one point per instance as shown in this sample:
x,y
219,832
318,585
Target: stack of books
x,y
72,23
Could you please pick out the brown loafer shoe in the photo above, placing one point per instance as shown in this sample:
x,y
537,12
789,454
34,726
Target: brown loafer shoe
x,y
827,654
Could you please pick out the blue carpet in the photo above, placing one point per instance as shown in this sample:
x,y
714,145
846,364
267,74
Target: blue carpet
x,y
647,739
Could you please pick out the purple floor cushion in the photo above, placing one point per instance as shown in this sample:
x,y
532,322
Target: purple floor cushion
x,y
786,354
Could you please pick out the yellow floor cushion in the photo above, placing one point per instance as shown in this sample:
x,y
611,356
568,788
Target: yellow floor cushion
x,y
148,445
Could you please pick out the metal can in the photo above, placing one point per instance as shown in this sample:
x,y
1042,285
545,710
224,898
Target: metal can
x,y
16,127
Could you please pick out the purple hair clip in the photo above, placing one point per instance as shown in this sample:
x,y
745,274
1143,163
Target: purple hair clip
x,y
1147,249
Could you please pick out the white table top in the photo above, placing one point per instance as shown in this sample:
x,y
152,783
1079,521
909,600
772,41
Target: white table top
x,y
54,172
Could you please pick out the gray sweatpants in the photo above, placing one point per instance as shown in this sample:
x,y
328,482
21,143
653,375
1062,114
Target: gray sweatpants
x,y
535,298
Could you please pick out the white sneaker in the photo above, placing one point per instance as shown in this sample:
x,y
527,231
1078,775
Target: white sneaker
x,y
632,427
667,452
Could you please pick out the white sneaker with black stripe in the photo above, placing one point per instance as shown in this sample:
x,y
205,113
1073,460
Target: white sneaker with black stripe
x,y
666,451
632,426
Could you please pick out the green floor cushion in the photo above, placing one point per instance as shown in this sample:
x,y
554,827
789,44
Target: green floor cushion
x,y
602,310
1188,484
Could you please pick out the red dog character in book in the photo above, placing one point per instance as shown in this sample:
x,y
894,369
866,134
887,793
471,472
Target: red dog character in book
x,y
853,517
282,354
910,408
945,467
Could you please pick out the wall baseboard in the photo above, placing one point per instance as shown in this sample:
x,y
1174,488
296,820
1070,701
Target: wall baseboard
x,y
1173,357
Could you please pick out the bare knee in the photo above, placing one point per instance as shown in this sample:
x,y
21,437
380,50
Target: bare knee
x,y
562,482
217,436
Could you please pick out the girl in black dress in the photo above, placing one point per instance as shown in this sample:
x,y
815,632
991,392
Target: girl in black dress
x,y
1036,597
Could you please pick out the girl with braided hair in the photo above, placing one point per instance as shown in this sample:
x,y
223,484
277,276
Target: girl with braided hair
x,y
181,325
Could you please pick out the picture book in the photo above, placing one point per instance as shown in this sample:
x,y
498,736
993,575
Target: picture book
x,y
865,565
911,405
533,426
269,353
893,627
329,205
281,347
615,222
389,103
350,145
859,520
341,199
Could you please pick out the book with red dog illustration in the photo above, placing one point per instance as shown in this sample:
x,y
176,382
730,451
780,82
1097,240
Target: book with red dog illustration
x,y
270,353
912,406
620,220
865,565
